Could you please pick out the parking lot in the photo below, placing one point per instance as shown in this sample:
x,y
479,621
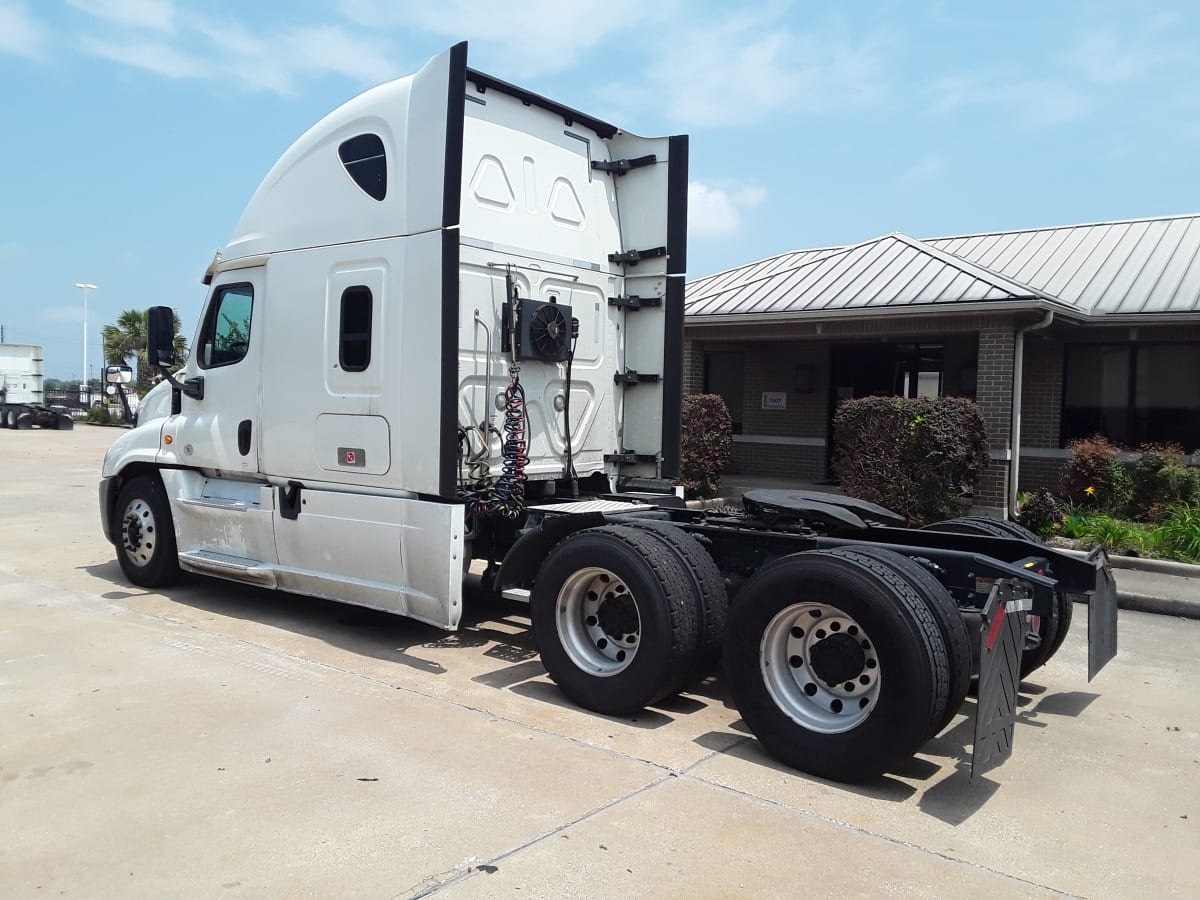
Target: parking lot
x,y
222,740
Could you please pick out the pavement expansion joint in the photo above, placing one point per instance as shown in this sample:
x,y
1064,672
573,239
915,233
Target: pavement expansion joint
x,y
425,889
866,833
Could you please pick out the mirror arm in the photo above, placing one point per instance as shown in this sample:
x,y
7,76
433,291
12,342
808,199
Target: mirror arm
x,y
192,387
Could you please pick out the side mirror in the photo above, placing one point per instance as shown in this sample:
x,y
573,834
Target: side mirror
x,y
118,375
160,336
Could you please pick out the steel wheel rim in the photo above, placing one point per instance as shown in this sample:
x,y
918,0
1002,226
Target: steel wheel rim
x,y
798,683
138,532
599,624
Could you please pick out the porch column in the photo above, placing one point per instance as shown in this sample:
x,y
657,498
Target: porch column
x,y
994,390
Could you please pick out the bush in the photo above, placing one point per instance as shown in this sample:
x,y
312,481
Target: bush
x,y
1113,534
1094,478
1178,535
99,415
916,457
1041,512
1161,480
706,444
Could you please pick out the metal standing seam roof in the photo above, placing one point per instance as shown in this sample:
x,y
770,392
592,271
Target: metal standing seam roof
x,y
1140,266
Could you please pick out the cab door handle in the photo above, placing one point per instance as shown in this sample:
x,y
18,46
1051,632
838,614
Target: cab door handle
x,y
244,437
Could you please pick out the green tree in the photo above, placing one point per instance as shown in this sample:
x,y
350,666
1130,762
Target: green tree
x,y
126,340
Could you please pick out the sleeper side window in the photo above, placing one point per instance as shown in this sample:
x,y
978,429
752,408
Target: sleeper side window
x,y
226,336
354,335
366,162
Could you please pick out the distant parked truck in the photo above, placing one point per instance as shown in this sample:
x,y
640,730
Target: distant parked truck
x,y
22,405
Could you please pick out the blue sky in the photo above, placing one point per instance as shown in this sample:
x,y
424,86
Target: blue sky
x,y
134,131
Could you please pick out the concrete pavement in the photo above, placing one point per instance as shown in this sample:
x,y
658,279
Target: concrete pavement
x,y
218,739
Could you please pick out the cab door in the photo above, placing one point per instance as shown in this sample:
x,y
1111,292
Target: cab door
x,y
220,431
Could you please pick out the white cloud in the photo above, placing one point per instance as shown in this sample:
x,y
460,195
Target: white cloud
x,y
922,172
152,56
531,37
331,49
717,212
1105,58
743,70
155,15
1044,101
20,33
225,50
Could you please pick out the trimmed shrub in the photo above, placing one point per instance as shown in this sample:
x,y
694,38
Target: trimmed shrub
x,y
706,444
1041,512
1094,478
916,457
1161,480
99,415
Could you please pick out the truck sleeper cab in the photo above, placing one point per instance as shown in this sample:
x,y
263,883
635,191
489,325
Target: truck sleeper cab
x,y
449,327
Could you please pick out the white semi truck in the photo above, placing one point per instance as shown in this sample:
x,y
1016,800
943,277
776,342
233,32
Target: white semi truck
x,y
448,328
22,397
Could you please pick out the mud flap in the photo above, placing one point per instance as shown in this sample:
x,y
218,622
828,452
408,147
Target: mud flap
x,y
1002,640
1102,615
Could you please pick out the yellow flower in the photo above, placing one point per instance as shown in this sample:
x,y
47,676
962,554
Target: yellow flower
x,y
1090,491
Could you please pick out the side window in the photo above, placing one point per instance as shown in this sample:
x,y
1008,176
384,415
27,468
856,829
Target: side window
x,y
366,162
354,334
226,336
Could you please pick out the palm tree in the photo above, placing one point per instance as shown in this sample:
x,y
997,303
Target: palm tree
x,y
127,339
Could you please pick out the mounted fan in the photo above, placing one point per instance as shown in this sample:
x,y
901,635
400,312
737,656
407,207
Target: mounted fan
x,y
545,330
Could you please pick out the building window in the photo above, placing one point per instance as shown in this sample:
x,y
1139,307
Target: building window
x,y
724,374
354,340
1133,393
888,370
364,158
226,336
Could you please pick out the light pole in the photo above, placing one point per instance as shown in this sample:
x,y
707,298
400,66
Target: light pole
x,y
85,288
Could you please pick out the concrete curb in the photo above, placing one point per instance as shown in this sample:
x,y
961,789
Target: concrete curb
x,y
1163,606
1140,564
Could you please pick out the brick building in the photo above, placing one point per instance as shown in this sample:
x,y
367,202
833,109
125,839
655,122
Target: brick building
x,y
1057,333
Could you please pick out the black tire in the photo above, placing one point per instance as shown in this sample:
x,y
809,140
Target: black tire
x,y
949,621
988,527
821,728
1052,629
980,525
708,585
581,640
146,533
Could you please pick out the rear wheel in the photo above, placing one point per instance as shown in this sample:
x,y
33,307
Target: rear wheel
x,y
145,533
836,664
987,526
707,584
1051,630
615,619
949,621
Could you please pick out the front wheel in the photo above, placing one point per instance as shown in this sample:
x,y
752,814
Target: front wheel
x,y
146,533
